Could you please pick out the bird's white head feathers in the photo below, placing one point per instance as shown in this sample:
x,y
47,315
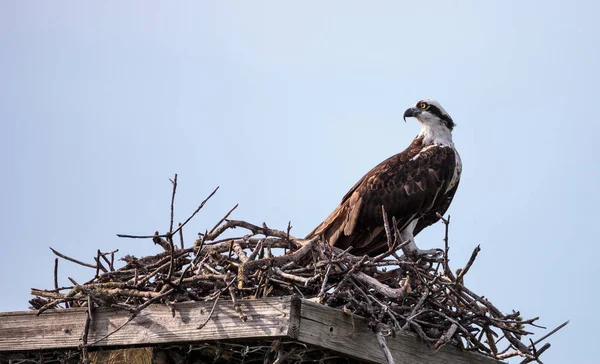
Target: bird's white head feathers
x,y
436,123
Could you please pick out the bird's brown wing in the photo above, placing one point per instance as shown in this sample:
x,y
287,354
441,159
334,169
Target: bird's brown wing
x,y
407,184
441,206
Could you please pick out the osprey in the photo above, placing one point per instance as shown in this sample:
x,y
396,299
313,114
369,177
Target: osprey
x,y
413,186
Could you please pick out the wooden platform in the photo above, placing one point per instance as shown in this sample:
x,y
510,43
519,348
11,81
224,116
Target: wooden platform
x,y
286,317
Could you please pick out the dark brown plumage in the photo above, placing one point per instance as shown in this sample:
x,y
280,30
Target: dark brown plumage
x,y
414,184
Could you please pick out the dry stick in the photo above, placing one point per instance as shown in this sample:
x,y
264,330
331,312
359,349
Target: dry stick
x,y
180,236
256,230
158,240
515,322
149,276
322,291
86,330
198,209
446,337
347,276
236,304
384,289
249,267
170,234
464,271
110,266
56,274
48,294
392,244
295,278
386,226
99,263
489,334
387,354
537,354
135,312
174,183
240,252
257,249
550,333
50,305
414,310
132,293
385,307
223,218
110,252
172,260
72,260
382,256
464,330
210,313
96,275
493,310
176,230
515,353
197,251
447,270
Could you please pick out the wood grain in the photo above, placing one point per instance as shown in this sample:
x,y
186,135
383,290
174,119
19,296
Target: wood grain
x,y
332,329
63,328
269,318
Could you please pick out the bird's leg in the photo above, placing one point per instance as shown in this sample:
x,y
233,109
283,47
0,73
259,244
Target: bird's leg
x,y
411,250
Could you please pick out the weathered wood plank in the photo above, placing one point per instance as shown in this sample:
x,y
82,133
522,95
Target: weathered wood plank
x,y
154,325
332,329
270,318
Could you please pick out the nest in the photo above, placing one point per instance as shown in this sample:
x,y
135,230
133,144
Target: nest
x,y
394,293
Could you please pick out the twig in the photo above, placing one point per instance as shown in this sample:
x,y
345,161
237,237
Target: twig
x,y
386,225
240,252
550,333
347,277
86,329
170,234
174,183
195,212
464,271
56,273
447,270
324,284
223,218
210,313
387,354
446,337
176,230
257,249
135,312
181,236
295,278
385,290
72,259
236,304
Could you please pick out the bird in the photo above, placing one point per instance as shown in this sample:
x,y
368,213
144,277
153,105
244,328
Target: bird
x,y
415,188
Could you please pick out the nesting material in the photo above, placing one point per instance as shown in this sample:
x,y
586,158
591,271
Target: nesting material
x,y
237,260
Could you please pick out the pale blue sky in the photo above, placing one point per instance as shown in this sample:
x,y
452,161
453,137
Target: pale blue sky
x,y
286,107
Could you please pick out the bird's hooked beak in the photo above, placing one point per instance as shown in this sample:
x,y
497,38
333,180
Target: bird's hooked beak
x,y
411,113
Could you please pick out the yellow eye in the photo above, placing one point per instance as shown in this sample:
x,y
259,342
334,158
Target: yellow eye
x,y
423,105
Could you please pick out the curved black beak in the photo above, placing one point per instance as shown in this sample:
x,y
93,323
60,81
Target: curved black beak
x,y
410,113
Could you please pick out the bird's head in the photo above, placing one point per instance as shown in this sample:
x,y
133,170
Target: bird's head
x,y
430,113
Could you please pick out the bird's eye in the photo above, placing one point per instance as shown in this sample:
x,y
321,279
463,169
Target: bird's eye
x,y
423,105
